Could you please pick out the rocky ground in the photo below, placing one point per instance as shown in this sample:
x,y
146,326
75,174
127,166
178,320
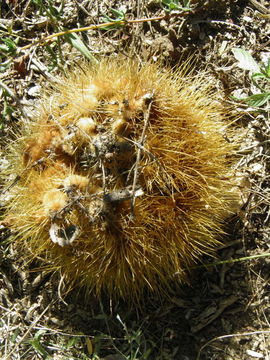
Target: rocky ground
x,y
223,313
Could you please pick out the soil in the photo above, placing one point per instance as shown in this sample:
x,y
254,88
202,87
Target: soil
x,y
223,313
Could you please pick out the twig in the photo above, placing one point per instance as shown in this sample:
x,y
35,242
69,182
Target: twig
x,y
111,23
259,6
148,97
154,159
32,325
231,261
14,97
230,336
218,22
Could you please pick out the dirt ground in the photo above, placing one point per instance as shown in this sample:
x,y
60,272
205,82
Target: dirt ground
x,y
224,311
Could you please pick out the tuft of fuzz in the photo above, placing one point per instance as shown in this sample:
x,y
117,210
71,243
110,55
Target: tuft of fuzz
x,y
123,178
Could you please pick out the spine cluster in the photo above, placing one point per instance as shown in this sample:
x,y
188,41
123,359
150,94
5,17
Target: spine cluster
x,y
124,177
